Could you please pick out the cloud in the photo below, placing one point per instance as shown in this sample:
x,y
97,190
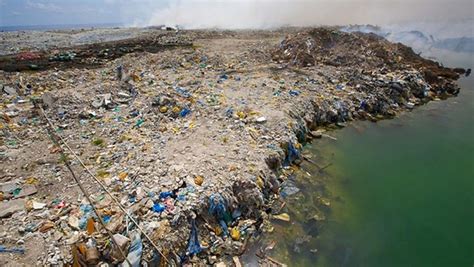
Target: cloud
x,y
44,6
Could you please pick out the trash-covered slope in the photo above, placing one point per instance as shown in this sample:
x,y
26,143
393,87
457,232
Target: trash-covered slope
x,y
196,143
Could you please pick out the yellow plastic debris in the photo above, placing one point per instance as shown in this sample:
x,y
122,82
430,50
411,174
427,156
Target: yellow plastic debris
x,y
31,180
198,180
218,230
122,176
176,109
241,115
235,233
259,182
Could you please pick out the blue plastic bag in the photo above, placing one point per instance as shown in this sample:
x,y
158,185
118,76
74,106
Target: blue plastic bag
x,y
193,244
292,155
135,251
218,208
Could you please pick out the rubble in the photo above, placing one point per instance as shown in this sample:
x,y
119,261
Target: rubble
x,y
10,207
196,143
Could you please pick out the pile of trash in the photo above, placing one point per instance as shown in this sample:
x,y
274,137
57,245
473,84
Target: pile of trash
x,y
333,47
367,51
193,146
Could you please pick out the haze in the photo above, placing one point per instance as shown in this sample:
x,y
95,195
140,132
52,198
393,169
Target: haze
x,y
232,14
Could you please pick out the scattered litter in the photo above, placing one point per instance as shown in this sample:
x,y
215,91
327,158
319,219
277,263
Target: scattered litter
x,y
282,217
15,250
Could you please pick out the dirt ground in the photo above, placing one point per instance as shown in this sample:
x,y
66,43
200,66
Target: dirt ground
x,y
217,119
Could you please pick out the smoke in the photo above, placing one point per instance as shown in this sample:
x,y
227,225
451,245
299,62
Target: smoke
x,y
253,14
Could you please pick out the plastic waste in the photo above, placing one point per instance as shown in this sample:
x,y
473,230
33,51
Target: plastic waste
x,y
120,242
193,244
236,213
282,217
288,188
292,154
106,218
166,194
90,227
86,210
139,122
92,254
184,112
235,233
169,204
229,112
218,208
198,180
135,251
158,207
294,92
15,250
183,92
119,70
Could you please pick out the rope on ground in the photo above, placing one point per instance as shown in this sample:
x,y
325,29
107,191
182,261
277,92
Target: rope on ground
x,y
54,139
51,125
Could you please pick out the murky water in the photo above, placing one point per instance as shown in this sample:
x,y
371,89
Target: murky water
x,y
400,192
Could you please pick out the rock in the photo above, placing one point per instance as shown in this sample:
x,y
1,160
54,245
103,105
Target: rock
x,y
10,90
317,134
115,222
8,187
48,99
46,226
38,205
122,242
324,202
236,261
288,188
261,119
319,216
73,222
220,264
104,100
10,207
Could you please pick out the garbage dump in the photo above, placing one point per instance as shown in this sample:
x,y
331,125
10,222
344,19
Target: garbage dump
x,y
182,152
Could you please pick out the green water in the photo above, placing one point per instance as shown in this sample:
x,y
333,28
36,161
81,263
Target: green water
x,y
407,187
401,191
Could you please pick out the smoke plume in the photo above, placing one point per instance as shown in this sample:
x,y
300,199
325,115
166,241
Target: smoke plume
x,y
252,14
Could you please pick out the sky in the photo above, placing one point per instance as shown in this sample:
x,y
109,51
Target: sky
x,y
230,13
55,12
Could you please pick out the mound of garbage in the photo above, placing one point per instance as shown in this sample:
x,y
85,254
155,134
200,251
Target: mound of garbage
x,y
185,155
367,51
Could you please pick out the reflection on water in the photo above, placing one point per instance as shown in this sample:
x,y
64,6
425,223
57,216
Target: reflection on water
x,y
396,193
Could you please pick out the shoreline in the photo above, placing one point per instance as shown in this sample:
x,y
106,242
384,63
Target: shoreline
x,y
245,117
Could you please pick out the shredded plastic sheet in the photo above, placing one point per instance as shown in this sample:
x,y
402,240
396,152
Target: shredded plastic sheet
x,y
135,251
218,208
292,154
12,250
193,244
